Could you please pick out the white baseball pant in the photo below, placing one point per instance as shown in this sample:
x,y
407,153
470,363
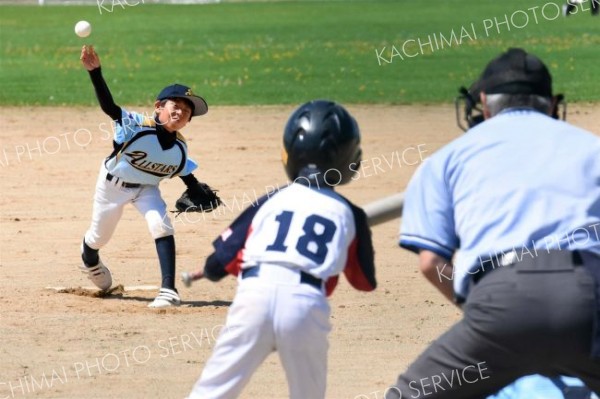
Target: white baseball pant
x,y
110,199
271,312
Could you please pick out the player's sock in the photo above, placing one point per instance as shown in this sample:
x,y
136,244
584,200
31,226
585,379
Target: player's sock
x,y
165,247
89,255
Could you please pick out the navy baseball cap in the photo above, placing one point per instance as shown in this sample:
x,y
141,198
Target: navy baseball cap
x,y
514,72
199,106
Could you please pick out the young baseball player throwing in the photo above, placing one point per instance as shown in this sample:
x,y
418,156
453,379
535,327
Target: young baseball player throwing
x,y
146,150
287,251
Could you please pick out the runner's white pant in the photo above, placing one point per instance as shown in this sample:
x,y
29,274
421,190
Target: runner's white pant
x,y
271,312
110,199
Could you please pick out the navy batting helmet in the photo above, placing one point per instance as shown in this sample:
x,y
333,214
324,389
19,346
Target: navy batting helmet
x,y
321,136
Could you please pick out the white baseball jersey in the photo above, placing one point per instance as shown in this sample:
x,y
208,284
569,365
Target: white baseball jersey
x,y
314,239
316,231
144,155
288,251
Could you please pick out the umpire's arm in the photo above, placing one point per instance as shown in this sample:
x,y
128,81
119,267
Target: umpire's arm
x,y
428,227
438,271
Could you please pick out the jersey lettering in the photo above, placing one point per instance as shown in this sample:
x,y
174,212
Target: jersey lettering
x,y
284,219
137,159
313,244
318,232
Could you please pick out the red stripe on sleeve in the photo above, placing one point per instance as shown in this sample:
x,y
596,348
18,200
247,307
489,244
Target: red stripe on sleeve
x,y
235,266
330,285
353,270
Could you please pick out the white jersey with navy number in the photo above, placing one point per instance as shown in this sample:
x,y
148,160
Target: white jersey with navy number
x,y
141,157
314,239
519,181
287,251
315,231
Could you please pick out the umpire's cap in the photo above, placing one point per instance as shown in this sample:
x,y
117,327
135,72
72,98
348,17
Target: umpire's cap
x,y
321,135
199,106
514,72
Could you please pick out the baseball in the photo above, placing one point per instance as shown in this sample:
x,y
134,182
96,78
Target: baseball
x,y
83,28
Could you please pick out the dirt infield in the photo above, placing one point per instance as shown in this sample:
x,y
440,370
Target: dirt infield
x,y
74,344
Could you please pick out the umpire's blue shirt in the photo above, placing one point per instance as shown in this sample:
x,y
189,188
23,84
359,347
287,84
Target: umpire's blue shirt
x,y
519,181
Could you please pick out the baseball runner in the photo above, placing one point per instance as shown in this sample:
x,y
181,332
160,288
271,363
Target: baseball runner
x,y
287,251
506,223
146,150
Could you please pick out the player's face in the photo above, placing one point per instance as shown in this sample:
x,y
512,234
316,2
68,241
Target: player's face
x,y
174,114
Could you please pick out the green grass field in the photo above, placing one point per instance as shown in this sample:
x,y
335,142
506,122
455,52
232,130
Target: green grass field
x,y
289,52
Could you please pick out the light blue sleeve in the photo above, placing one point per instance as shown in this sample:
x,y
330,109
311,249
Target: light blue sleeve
x,y
190,166
428,215
537,387
130,125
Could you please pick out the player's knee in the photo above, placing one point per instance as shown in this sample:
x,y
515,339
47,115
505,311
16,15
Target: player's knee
x,y
96,241
159,225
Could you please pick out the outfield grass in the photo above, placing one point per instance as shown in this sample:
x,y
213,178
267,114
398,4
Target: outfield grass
x,y
286,52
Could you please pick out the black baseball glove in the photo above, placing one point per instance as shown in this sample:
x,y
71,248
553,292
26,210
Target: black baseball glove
x,y
198,198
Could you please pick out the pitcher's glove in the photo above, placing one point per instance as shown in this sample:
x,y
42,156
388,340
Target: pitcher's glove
x,y
198,198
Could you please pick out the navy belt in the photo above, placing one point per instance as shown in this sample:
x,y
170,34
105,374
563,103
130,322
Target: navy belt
x,y
110,177
305,278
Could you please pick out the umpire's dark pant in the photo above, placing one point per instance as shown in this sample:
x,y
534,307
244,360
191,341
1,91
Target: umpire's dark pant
x,y
537,316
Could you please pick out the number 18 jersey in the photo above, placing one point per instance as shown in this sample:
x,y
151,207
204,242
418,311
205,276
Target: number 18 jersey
x,y
314,230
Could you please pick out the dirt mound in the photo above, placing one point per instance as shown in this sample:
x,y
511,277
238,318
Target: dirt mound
x,y
117,291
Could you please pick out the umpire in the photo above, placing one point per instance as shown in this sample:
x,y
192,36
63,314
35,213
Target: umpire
x,y
506,223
